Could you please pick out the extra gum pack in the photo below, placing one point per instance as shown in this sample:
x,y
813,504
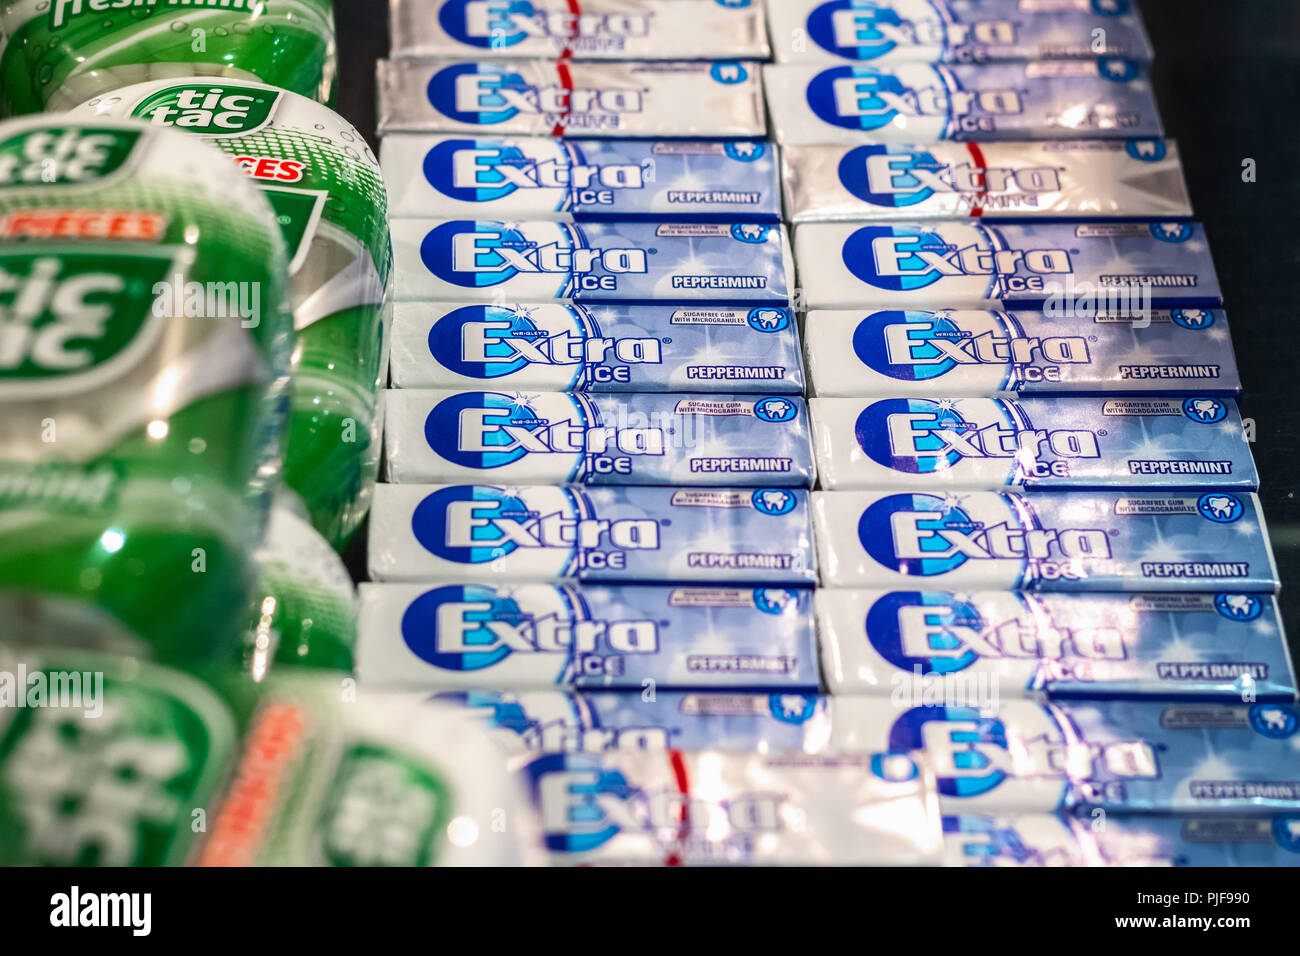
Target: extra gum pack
x,y
608,348
886,32
1077,179
485,534
1106,97
1048,443
687,262
627,99
920,353
1227,647
651,438
590,30
514,178
1044,541
540,636
968,266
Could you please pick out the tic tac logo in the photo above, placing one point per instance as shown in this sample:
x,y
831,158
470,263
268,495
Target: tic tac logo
x,y
485,342
490,429
76,313
500,24
894,178
209,108
973,754
923,436
924,535
940,633
475,254
471,171
483,94
901,260
64,156
919,346
472,627
865,98
471,524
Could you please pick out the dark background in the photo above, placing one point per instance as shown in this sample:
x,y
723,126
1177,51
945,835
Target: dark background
x,y
1227,77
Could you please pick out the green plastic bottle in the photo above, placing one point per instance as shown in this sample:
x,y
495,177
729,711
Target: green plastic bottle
x,y
145,339
325,186
55,54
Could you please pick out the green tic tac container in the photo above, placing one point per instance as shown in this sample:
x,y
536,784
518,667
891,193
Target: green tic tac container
x,y
325,186
55,54
145,340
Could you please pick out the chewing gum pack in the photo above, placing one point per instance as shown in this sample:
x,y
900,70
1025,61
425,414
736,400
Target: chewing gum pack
x,y
452,177
627,99
976,444
886,32
1080,266
488,260
484,534
1049,352
1107,97
717,809
540,636
1044,541
1227,647
1075,179
608,348
597,439
590,30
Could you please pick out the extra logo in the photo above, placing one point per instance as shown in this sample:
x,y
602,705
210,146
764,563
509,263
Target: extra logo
x,y
485,94
213,109
502,24
925,535
65,155
923,436
865,98
920,346
904,260
487,341
895,179
485,430
939,632
971,755
471,171
473,627
474,524
866,30
477,254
